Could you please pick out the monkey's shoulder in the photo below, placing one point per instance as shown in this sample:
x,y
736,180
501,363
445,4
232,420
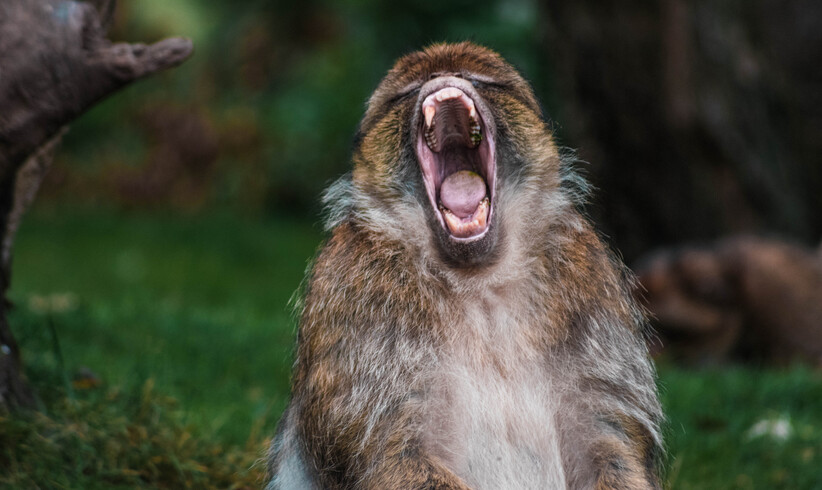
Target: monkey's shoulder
x,y
354,261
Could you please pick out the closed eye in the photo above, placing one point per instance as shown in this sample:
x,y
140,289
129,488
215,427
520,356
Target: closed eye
x,y
478,81
408,90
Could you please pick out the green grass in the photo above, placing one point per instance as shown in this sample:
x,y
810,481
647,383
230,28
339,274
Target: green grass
x,y
119,439
713,417
186,322
200,305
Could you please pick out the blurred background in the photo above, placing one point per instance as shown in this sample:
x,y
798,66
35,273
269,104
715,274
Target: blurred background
x,y
261,119
180,214
695,119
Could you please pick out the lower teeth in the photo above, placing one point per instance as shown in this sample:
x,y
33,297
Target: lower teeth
x,y
462,229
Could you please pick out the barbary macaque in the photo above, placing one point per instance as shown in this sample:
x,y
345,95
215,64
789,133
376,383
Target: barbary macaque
x,y
743,299
464,326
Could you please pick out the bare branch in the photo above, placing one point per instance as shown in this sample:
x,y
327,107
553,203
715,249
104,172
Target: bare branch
x,y
56,62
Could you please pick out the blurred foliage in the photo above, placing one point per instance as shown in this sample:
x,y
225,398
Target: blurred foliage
x,y
199,304
116,439
262,117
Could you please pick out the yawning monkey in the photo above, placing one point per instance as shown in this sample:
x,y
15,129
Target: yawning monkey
x,y
464,326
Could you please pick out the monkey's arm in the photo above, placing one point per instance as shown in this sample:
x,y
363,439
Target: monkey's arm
x,y
610,433
626,459
363,426
359,379
607,451
610,414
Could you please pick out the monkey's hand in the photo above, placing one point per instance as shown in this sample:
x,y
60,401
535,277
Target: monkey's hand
x,y
55,63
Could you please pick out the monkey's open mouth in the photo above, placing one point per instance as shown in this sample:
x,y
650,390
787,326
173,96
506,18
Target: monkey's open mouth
x,y
456,155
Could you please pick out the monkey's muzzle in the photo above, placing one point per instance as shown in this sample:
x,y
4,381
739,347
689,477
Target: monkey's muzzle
x,y
455,150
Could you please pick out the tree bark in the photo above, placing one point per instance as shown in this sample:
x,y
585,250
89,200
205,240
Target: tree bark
x,y
55,63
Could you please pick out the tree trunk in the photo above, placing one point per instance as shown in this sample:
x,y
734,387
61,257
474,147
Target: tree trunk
x,y
55,63
13,390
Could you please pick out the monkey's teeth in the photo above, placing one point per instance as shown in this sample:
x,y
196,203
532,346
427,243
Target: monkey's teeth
x,y
449,93
476,131
429,105
470,227
431,138
430,111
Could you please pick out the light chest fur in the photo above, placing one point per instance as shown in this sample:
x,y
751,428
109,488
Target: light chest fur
x,y
491,409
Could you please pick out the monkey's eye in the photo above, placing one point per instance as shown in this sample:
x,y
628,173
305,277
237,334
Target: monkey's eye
x,y
480,81
408,90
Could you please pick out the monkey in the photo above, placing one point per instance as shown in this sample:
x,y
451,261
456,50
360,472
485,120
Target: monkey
x,y
742,299
464,326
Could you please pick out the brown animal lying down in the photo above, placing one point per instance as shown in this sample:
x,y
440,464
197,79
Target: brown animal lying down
x,y
742,298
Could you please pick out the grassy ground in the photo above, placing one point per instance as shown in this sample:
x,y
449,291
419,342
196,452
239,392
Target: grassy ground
x,y
195,310
743,428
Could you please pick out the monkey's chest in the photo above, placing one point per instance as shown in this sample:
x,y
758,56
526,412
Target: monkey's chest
x,y
494,426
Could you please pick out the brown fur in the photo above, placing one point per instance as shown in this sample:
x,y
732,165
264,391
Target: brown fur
x,y
745,298
416,369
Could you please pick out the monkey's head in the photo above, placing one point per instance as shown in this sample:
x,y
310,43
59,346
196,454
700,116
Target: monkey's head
x,y
448,136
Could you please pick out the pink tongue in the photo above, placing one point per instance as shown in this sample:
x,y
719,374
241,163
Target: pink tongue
x,y
461,192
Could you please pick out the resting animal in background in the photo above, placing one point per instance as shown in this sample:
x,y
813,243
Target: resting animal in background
x,y
742,299
464,326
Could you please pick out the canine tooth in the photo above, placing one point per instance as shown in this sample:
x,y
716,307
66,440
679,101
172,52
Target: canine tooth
x,y
453,222
430,111
482,217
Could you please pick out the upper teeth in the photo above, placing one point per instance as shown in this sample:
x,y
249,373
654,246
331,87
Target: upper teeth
x,y
429,109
